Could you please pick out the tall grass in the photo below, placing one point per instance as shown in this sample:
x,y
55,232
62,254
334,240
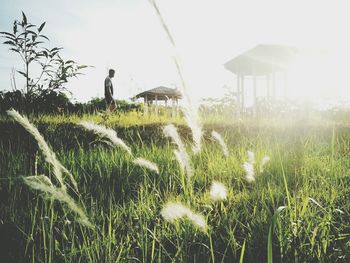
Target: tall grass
x,y
109,134
181,154
221,141
175,211
58,168
307,173
42,182
190,110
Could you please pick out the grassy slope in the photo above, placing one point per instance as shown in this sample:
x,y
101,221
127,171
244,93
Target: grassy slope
x,y
310,160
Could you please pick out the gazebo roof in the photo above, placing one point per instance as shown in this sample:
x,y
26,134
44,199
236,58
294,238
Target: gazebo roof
x,y
161,92
262,60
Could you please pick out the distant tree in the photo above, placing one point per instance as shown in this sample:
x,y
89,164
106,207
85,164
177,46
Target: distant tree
x,y
49,101
26,40
224,106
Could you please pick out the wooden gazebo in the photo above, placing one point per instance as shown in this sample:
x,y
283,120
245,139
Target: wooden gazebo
x,y
261,61
160,94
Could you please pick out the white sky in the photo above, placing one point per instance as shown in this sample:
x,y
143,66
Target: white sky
x,y
126,35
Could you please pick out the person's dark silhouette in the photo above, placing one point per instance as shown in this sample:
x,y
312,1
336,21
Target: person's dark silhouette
x,y
109,91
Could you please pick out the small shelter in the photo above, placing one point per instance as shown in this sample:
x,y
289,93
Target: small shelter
x,y
261,61
160,94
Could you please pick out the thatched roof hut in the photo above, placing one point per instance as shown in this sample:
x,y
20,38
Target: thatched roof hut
x,y
262,61
159,93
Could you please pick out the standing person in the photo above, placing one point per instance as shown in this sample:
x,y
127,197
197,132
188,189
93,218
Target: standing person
x,y
109,91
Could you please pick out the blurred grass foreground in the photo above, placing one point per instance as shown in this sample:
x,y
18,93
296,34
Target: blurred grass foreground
x,y
306,180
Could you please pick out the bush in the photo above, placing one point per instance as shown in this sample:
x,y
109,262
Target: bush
x,y
48,101
99,104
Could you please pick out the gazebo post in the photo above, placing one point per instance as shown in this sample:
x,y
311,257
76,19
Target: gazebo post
x,y
254,96
285,85
268,87
238,110
177,107
172,106
146,105
156,107
254,91
273,86
242,93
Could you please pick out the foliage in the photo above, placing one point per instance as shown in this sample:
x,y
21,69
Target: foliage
x,y
217,107
51,101
27,41
224,107
48,101
99,104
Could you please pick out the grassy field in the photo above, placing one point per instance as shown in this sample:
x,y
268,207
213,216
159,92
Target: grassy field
x,y
297,210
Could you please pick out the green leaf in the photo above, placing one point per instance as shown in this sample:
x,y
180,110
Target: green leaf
x,y
41,27
11,38
44,37
29,44
22,73
32,32
45,53
15,50
24,19
15,27
23,34
9,43
31,59
269,238
7,34
51,55
242,253
56,49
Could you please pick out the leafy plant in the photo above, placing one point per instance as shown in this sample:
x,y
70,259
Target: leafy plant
x,y
26,40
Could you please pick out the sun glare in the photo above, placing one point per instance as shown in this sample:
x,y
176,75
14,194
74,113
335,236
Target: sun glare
x,y
318,77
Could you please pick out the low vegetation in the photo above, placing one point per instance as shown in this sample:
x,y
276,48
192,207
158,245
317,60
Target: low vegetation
x,y
295,209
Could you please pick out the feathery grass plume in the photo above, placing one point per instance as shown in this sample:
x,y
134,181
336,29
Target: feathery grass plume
x,y
171,132
43,183
263,162
174,211
220,140
190,111
218,191
249,172
184,162
198,220
36,182
50,156
180,154
109,134
193,122
249,167
251,157
147,164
